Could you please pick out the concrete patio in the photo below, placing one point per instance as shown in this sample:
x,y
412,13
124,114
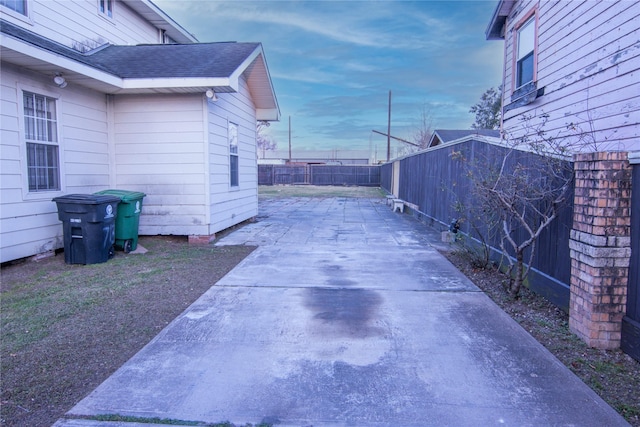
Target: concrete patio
x,y
346,314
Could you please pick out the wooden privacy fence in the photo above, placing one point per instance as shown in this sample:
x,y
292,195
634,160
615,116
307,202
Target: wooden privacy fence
x,y
586,261
363,176
631,322
440,187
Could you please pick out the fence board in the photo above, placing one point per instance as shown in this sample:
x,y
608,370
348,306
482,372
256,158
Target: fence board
x,y
630,342
364,176
442,190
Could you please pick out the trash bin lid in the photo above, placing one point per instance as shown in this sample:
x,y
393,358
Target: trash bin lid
x,y
124,195
86,199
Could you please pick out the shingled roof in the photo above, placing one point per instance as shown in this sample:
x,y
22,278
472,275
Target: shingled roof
x,y
173,60
147,68
148,60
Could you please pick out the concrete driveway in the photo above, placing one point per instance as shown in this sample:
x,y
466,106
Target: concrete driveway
x,y
345,315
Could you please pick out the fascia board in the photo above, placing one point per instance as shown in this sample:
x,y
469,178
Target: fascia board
x,y
235,76
181,82
268,114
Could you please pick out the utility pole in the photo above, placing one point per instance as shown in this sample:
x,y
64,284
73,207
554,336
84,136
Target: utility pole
x,y
389,130
289,139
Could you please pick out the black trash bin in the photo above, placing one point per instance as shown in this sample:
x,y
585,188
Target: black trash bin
x,y
88,223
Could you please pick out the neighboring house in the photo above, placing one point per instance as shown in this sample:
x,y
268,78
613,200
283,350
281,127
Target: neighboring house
x,y
571,69
572,73
100,94
442,136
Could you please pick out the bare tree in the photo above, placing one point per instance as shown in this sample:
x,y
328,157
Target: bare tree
x,y
424,130
264,142
522,191
87,45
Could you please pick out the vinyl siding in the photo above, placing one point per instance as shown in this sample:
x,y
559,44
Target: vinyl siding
x,y
589,64
172,147
159,150
232,205
28,220
78,22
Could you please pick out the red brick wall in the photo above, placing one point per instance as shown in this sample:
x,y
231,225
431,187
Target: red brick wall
x,y
600,247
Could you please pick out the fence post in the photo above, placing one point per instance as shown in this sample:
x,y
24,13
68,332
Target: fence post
x,y
600,247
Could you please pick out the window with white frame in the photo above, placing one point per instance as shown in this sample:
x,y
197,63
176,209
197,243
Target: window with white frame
x,y
165,39
106,7
525,58
41,136
234,172
19,6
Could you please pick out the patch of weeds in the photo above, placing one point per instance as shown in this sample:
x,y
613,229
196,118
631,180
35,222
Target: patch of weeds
x,y
543,323
596,384
143,420
628,411
607,367
161,421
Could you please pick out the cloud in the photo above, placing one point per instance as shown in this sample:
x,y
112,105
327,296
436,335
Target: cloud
x,y
364,24
333,63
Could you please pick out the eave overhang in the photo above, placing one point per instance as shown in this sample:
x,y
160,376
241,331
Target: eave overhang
x,y
495,30
78,71
156,16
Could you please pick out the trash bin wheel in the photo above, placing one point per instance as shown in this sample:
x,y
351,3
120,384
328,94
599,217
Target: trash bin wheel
x,y
126,247
112,252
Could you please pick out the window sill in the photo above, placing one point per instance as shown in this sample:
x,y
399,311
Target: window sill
x,y
17,15
524,95
42,195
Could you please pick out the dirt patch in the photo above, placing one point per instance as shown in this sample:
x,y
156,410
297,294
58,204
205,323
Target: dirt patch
x,y
612,374
67,328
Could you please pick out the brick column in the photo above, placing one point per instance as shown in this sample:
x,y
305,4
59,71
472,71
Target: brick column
x,y
600,247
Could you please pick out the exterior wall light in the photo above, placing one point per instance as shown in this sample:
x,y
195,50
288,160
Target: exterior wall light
x,y
60,81
211,94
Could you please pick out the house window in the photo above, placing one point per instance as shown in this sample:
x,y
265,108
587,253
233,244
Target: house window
x,y
233,155
19,6
41,135
525,59
165,39
106,7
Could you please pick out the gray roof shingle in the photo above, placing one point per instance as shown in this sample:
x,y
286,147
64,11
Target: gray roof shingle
x,y
149,61
174,60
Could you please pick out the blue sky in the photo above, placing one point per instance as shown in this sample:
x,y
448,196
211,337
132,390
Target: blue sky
x,y
333,63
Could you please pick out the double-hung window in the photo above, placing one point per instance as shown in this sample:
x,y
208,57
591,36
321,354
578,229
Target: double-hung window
x,y
19,6
234,172
106,7
525,58
41,135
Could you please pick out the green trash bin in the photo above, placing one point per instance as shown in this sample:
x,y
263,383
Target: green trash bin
x,y
128,218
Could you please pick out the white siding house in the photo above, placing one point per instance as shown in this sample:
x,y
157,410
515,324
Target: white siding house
x,y
571,69
99,94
